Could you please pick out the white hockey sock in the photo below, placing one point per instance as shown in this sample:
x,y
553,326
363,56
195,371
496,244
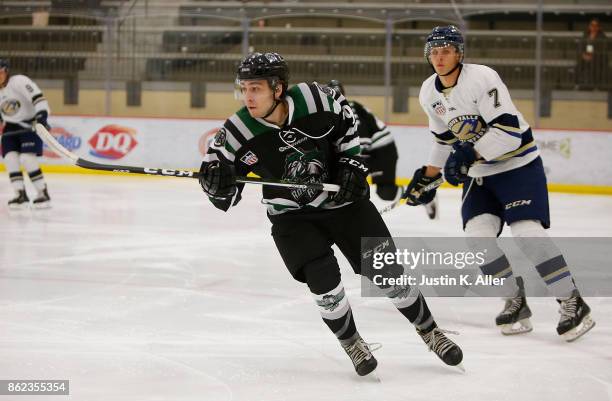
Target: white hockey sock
x,y
11,161
481,232
30,162
540,249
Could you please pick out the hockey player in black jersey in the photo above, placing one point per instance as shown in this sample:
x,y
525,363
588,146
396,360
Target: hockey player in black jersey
x,y
302,134
378,151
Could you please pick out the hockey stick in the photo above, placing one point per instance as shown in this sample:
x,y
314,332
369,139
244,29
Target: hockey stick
x,y
433,185
46,136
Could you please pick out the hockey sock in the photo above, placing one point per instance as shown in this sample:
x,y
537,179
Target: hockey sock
x,y
37,180
337,315
539,248
323,279
31,165
11,161
499,267
411,303
481,232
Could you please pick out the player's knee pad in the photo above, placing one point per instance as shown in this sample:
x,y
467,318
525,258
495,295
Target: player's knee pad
x,y
483,225
11,161
527,228
30,161
532,239
322,275
481,234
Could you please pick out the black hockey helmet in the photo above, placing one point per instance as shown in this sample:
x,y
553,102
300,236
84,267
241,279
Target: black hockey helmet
x,y
336,85
270,66
442,36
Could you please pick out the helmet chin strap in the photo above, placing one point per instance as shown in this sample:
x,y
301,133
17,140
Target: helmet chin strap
x,y
276,103
451,71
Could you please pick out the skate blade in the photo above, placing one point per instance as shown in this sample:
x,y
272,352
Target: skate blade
x,y
42,205
373,376
520,327
460,367
577,332
23,206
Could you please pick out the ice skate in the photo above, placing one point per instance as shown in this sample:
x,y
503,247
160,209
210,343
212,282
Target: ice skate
x,y
43,201
360,353
514,319
444,347
575,317
20,201
432,209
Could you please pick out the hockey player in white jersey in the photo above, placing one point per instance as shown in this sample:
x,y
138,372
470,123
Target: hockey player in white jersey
x,y
21,105
483,141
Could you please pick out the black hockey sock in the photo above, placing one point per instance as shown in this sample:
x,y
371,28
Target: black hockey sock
x,y
411,303
336,313
323,279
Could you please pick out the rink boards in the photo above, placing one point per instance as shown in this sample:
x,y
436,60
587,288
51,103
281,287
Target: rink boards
x,y
575,161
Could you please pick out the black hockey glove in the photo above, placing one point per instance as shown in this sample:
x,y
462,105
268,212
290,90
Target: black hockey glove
x,y
459,162
218,180
415,194
352,177
41,118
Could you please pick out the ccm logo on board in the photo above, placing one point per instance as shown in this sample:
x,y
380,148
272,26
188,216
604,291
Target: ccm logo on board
x,y
113,142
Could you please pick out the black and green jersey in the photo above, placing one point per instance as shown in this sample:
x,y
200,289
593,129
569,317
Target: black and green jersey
x,y
319,130
377,145
373,133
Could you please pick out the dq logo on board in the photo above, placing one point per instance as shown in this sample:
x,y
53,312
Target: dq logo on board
x,y
65,138
113,142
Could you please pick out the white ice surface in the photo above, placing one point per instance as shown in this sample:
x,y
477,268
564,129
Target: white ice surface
x,y
138,289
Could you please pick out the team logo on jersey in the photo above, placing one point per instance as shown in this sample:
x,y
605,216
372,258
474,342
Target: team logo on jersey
x,y
439,108
10,107
113,142
249,158
468,128
306,168
288,136
221,137
65,138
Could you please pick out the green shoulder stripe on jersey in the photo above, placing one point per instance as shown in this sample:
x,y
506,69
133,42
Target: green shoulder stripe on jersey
x,y
251,124
229,148
331,102
353,151
299,102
